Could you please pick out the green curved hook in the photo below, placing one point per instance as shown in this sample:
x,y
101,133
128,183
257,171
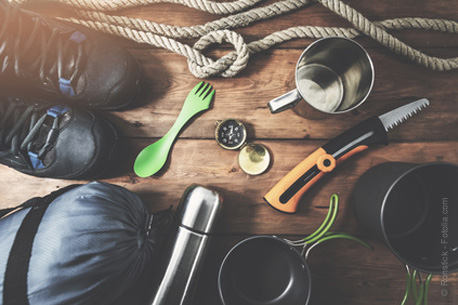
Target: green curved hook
x,y
420,296
408,285
328,221
333,235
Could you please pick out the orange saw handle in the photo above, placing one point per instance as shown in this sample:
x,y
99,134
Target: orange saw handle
x,y
287,193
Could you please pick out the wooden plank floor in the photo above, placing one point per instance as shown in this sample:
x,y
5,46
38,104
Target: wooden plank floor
x,y
342,272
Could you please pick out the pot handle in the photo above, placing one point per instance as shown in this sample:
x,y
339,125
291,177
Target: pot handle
x,y
285,101
420,296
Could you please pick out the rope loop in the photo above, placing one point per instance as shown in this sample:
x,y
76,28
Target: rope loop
x,y
227,66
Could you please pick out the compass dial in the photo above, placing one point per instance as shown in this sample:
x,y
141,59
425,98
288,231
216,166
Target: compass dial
x,y
231,134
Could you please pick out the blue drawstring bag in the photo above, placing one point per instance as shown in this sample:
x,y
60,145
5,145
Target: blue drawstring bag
x,y
90,244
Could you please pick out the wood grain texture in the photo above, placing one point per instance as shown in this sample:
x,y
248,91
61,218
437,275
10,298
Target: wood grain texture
x,y
204,162
342,272
271,74
317,15
314,15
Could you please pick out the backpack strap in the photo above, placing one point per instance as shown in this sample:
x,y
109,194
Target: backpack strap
x,y
3,212
22,206
15,280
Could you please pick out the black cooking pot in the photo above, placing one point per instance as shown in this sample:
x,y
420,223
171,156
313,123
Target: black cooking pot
x,y
413,208
264,270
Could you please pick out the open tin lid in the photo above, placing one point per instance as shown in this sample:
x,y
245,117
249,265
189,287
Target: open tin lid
x,y
254,159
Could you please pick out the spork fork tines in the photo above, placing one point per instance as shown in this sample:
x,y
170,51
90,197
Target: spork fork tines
x,y
152,158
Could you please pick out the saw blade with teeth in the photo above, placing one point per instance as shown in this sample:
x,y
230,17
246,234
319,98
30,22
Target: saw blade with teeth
x,y
397,116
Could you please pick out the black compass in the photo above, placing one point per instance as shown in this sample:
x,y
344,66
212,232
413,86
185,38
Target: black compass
x,y
230,134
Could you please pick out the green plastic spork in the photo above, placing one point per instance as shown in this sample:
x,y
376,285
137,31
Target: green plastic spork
x,y
153,157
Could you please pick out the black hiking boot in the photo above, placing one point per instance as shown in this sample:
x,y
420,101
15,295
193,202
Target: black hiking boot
x,y
41,57
54,141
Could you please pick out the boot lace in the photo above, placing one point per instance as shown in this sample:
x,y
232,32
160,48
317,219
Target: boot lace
x,y
29,47
20,126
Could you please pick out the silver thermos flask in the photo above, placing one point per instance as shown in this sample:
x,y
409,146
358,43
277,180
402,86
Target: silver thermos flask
x,y
185,251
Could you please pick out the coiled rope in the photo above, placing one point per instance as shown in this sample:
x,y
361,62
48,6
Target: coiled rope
x,y
95,14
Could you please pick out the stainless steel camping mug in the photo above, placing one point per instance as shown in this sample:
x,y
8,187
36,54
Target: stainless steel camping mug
x,y
333,75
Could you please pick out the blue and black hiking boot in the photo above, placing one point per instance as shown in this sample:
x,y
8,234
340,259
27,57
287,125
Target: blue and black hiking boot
x,y
54,141
41,57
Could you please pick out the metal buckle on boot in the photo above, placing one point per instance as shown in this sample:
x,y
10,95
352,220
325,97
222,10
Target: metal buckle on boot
x,y
36,157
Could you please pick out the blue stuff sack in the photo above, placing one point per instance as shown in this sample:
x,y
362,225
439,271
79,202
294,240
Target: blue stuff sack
x,y
90,244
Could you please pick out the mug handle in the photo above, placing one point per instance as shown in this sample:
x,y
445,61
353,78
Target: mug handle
x,y
286,101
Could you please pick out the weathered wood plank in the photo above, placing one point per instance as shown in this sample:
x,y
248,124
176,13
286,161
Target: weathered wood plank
x,y
389,8
315,15
271,74
204,162
318,15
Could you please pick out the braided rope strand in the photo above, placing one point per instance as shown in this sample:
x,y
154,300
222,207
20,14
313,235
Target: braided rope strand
x,y
115,5
234,21
383,37
91,13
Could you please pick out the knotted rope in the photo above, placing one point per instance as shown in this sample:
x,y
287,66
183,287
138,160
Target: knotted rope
x,y
93,14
